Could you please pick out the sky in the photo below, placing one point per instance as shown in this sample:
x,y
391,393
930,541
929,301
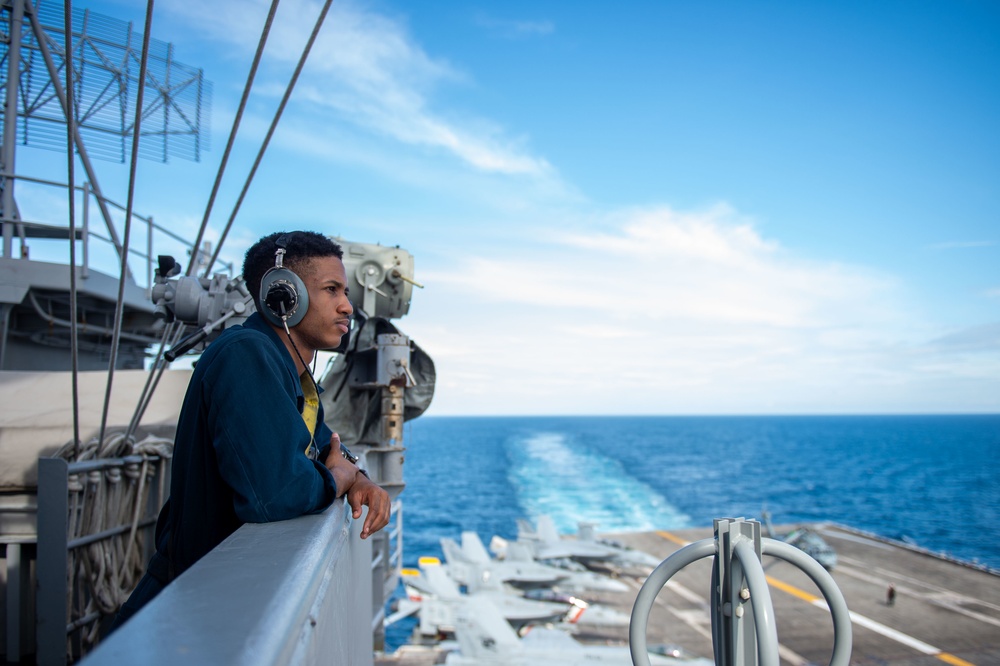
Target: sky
x,y
631,208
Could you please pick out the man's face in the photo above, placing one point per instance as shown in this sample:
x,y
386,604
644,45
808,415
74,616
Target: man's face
x,y
329,315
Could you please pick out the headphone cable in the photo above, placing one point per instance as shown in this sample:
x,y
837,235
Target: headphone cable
x,y
312,436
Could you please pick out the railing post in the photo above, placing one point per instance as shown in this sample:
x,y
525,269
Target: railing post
x,y
733,615
53,558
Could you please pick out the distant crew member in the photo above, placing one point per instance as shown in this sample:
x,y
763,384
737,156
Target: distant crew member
x,y
890,595
251,444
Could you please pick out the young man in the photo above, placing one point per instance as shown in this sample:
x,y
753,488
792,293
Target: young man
x,y
251,444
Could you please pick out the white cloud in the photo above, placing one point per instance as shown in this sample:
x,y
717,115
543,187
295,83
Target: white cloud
x,y
677,312
368,69
660,264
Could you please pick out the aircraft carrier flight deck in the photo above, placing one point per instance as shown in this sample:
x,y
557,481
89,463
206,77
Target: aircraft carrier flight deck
x,y
939,611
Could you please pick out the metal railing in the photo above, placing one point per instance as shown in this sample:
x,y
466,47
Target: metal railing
x,y
94,537
744,632
290,592
85,233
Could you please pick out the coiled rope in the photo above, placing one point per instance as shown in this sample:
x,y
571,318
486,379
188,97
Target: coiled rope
x,y
106,507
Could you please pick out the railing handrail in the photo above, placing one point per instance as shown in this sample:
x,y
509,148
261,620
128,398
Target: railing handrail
x,y
275,593
87,191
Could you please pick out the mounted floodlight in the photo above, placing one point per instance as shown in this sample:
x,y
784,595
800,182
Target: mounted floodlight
x,y
379,278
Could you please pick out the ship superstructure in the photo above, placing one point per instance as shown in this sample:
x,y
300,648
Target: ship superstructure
x,y
89,396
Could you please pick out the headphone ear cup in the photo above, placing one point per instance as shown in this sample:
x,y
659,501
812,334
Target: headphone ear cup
x,y
284,298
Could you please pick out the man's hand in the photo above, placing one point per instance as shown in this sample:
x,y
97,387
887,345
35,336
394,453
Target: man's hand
x,y
359,489
365,492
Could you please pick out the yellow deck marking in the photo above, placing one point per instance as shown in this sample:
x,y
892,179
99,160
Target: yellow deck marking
x,y
670,537
953,660
792,590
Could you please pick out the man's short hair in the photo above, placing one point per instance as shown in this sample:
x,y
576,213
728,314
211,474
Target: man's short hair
x,y
299,247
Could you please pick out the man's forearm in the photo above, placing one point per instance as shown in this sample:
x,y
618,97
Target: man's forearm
x,y
344,472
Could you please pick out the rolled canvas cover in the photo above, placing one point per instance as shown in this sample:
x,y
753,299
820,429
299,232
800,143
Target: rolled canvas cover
x,y
36,416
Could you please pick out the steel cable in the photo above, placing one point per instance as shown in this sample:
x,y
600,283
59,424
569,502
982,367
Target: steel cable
x,y
71,179
270,131
119,309
191,270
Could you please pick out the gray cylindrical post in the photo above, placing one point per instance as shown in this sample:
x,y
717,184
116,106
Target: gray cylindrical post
x,y
760,600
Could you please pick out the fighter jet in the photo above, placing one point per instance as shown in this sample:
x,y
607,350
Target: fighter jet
x,y
470,560
436,597
805,540
545,543
485,638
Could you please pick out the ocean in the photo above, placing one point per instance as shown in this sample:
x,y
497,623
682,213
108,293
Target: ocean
x,y
933,481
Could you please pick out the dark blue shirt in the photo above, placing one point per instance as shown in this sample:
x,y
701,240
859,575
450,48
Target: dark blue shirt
x,y
239,453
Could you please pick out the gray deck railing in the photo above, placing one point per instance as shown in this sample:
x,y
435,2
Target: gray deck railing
x,y
292,592
95,520
86,233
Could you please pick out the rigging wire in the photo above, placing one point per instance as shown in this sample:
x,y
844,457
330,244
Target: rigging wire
x,y
171,334
270,131
74,344
191,269
119,310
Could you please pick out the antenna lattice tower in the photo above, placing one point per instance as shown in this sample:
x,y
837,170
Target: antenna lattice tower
x,y
106,55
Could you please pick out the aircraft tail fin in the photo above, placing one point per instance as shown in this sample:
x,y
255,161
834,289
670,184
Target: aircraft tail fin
x,y
484,634
519,552
525,530
438,582
453,553
473,549
547,530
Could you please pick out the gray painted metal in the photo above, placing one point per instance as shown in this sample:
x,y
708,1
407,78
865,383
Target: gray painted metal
x,y
291,592
736,629
760,600
53,560
741,635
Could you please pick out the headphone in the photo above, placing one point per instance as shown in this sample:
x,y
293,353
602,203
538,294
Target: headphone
x,y
284,298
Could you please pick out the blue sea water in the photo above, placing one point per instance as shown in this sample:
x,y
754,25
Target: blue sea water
x,y
931,480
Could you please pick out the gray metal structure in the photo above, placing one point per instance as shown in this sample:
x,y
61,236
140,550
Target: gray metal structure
x,y
37,304
37,299
104,55
744,632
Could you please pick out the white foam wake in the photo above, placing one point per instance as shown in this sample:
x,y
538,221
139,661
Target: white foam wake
x,y
573,485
